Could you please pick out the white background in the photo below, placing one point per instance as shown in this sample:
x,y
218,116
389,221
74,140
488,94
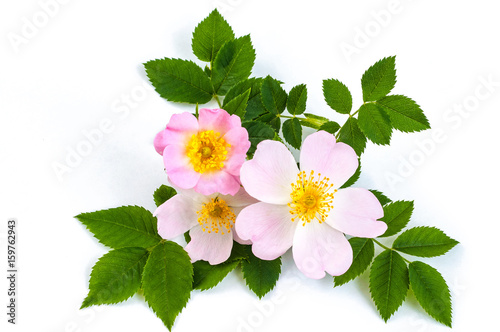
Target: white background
x,y
67,69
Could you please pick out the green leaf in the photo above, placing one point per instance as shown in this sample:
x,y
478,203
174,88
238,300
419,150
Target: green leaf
x,y
297,98
277,138
379,79
126,226
257,132
116,276
352,135
330,127
240,251
355,177
238,104
337,96
431,291
383,199
424,242
207,276
405,114
388,282
233,64
273,96
396,216
208,71
179,80
314,121
260,275
363,251
254,106
163,194
167,281
210,35
272,120
292,132
375,124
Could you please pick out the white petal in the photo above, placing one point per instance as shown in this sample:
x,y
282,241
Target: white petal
x,y
355,212
212,247
321,154
176,216
270,174
318,248
269,227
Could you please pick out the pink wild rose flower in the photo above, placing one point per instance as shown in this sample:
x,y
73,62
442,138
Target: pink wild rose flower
x,y
209,220
305,208
205,153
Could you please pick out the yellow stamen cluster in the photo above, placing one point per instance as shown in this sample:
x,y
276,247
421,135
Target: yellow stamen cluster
x,y
311,198
215,216
207,151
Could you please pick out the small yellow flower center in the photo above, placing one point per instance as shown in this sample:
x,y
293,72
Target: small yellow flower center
x,y
215,216
309,201
311,198
207,151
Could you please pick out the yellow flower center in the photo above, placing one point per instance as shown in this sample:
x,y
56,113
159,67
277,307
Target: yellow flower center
x,y
311,198
216,216
207,151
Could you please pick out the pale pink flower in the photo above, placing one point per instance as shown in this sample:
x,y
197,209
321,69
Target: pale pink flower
x,y
306,208
209,220
205,153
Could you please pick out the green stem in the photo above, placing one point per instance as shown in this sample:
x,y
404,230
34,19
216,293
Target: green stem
x,y
380,244
290,117
338,132
218,101
387,248
366,102
350,116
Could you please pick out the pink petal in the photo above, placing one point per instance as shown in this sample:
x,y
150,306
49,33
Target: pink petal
x,y
176,216
217,120
318,248
270,174
160,142
238,138
233,164
212,247
179,129
355,212
220,181
269,227
178,167
174,156
321,154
